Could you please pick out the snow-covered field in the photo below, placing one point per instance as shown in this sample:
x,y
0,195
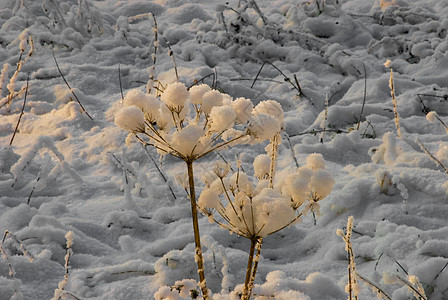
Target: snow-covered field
x,y
71,169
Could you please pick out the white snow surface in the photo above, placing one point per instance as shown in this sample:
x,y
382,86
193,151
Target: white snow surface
x,y
131,234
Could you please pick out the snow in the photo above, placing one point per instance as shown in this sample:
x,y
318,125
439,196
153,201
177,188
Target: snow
x,y
89,185
175,95
130,118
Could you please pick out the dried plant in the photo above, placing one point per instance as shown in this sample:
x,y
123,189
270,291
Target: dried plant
x,y
394,100
256,207
189,124
61,292
26,39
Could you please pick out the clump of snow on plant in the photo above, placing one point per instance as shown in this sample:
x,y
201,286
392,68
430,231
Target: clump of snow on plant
x,y
310,183
130,118
259,211
191,123
262,164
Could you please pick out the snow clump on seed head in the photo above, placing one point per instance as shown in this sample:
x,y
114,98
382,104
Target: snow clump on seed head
x,y
149,104
187,139
197,92
130,118
175,95
210,99
271,108
315,161
321,184
311,182
272,211
264,127
243,108
222,118
209,199
262,165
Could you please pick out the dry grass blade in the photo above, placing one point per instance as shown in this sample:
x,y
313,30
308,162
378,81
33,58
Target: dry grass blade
x,y
364,97
423,147
70,88
160,172
287,79
171,54
380,292
21,112
119,81
196,82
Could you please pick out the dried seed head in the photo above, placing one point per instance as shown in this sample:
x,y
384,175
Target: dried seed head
x,y
221,169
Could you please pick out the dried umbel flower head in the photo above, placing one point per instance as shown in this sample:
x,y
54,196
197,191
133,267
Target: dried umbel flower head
x,y
311,183
175,95
221,169
131,118
216,122
257,212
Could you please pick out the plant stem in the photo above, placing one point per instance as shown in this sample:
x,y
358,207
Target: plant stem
x,y
197,237
254,269
250,261
23,108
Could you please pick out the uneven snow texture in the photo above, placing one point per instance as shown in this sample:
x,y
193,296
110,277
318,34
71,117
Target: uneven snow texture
x,y
131,224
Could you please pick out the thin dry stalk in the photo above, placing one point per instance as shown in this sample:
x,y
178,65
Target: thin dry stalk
x,y
432,114
160,172
364,97
291,149
70,88
33,189
274,153
380,292
152,69
394,102
417,289
423,147
196,82
369,124
249,269
60,292
11,86
21,112
351,287
440,272
198,249
425,109
154,56
6,257
325,121
286,78
255,266
171,54
316,131
119,81
19,245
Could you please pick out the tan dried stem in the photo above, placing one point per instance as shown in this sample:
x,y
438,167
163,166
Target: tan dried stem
x,y
394,102
197,239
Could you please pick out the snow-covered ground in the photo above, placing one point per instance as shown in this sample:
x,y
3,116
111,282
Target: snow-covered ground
x,y
70,168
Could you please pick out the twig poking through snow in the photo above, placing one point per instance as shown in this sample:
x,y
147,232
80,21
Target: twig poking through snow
x,y
287,79
422,146
160,172
171,54
21,112
70,88
394,100
60,292
119,81
364,97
